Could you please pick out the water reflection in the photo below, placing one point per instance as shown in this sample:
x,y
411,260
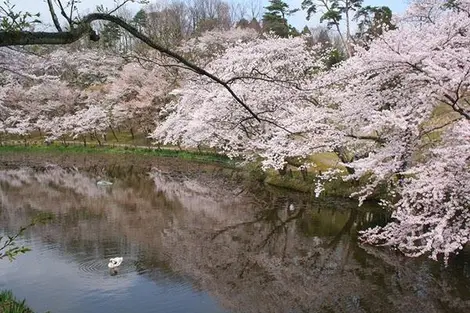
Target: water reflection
x,y
200,243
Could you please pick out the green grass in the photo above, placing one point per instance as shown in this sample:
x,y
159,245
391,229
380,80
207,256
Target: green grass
x,y
170,153
252,171
9,304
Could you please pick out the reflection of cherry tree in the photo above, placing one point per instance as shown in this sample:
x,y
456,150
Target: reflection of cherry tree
x,y
263,263
255,252
86,215
206,197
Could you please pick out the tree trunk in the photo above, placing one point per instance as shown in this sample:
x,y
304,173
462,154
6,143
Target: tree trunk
x,y
348,33
114,134
290,173
97,139
283,171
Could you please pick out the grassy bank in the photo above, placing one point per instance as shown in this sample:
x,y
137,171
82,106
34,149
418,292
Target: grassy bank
x,y
120,150
9,304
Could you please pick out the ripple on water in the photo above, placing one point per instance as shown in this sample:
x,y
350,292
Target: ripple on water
x,y
91,266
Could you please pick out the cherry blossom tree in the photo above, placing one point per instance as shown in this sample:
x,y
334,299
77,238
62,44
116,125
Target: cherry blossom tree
x,y
13,33
135,97
387,98
270,74
53,89
91,120
212,44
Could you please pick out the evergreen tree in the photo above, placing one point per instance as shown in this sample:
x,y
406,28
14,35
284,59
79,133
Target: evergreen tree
x,y
110,36
140,19
306,31
275,19
373,21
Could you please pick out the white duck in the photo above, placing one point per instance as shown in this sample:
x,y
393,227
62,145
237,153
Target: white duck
x,y
114,262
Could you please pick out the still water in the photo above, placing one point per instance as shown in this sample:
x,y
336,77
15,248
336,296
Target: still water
x,y
199,242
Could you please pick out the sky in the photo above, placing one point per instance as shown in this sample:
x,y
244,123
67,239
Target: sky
x,y
298,20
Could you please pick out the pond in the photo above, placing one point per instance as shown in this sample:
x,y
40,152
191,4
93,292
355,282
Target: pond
x,y
198,241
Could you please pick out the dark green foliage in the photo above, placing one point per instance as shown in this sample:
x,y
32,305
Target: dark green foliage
x,y
335,57
140,19
9,304
306,31
8,247
373,21
452,4
310,7
333,9
242,23
110,35
332,17
16,21
293,31
254,24
275,19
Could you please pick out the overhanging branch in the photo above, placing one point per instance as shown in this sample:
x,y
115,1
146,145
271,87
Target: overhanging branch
x,y
23,38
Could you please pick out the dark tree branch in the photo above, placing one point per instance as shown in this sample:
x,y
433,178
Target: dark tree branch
x,y
264,77
373,138
72,4
430,130
18,38
54,16
62,12
141,59
453,103
279,126
15,72
118,7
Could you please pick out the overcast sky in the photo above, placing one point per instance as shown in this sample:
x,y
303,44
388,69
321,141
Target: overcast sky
x,y
298,20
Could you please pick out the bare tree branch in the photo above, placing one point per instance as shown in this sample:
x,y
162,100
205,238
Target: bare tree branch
x,y
54,16
62,12
430,130
264,77
373,138
454,104
118,7
72,4
141,59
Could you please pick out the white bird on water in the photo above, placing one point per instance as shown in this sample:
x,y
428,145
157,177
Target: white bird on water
x,y
114,263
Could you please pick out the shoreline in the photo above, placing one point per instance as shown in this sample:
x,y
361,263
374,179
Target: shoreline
x,y
38,156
